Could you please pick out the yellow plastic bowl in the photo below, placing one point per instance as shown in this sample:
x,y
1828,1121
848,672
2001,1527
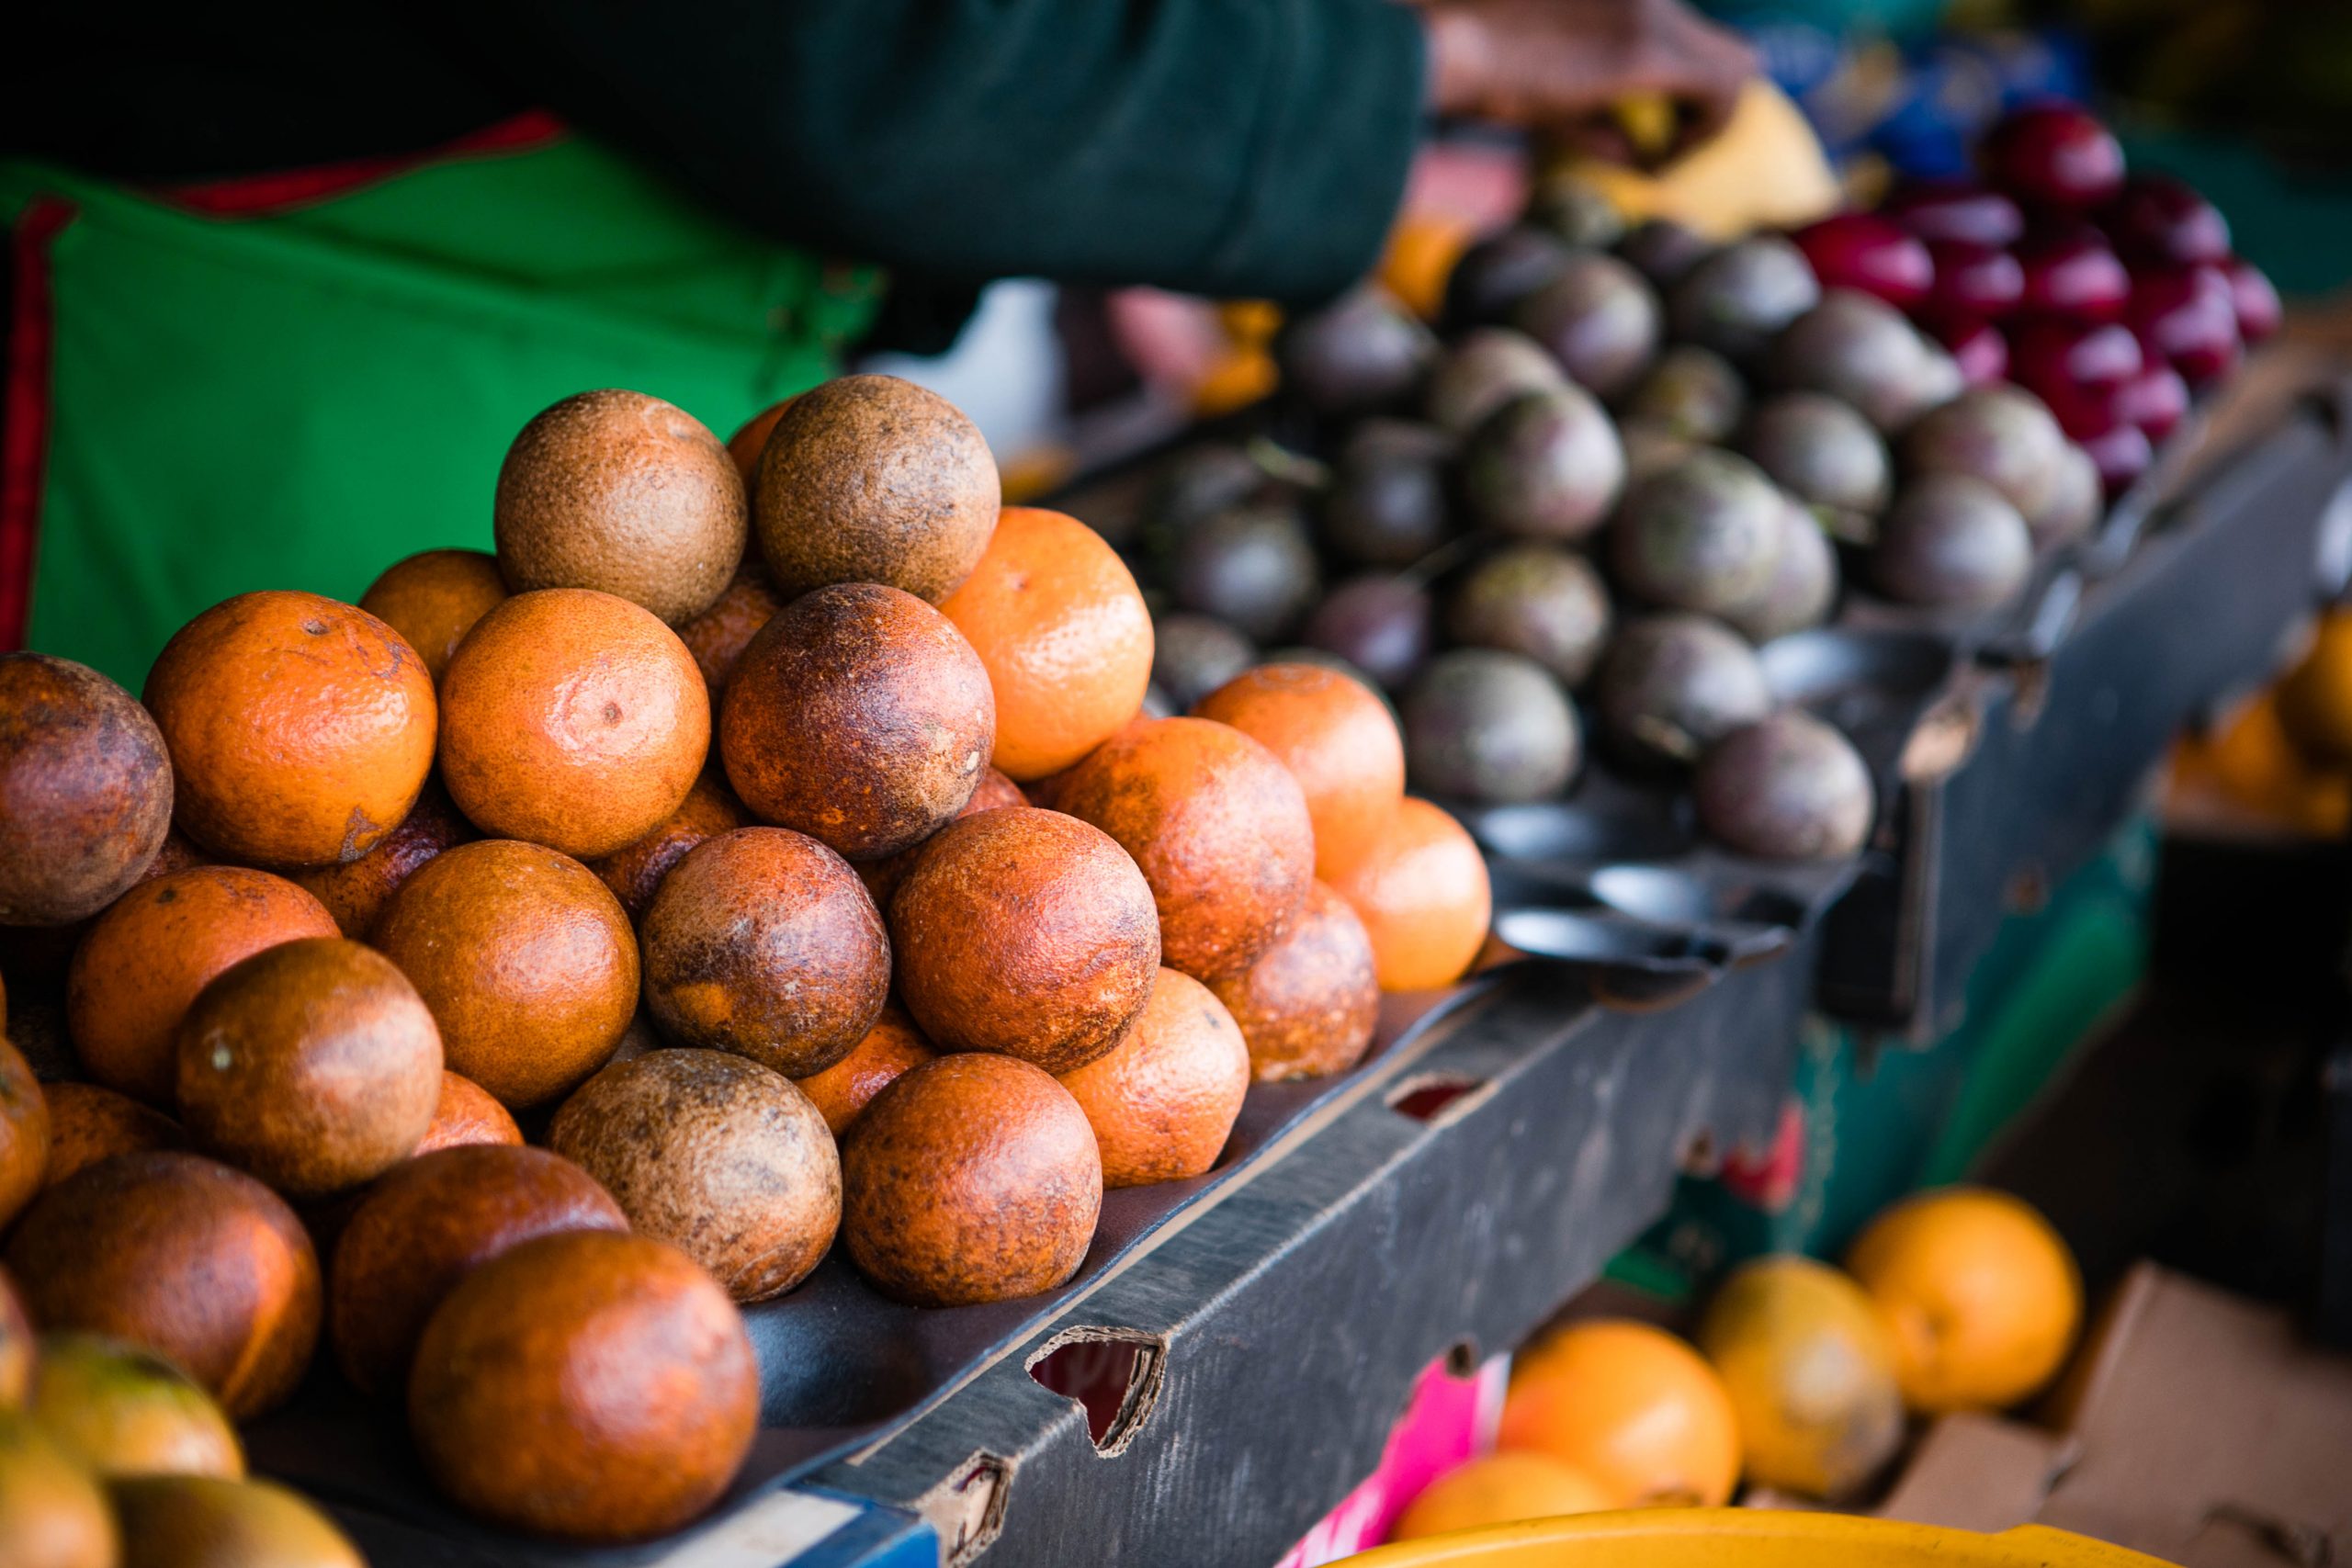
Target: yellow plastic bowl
x,y
1747,1537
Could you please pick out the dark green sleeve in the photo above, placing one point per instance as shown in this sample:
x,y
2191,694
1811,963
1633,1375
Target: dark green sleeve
x,y
1225,147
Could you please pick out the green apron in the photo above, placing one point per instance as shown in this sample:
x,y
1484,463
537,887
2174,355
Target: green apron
x,y
294,381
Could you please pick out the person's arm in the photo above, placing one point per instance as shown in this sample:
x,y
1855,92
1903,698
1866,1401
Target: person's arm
x,y
1219,147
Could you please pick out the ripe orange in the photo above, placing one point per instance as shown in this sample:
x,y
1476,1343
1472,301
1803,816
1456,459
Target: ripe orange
x,y
2315,699
88,1122
356,891
526,960
433,598
1806,1361
24,1133
1630,1405
1339,740
1056,619
1218,827
466,1114
718,636
1499,1489
300,729
1162,1101
635,873
146,958
573,719
1980,1296
892,1046
1308,1007
746,445
1423,895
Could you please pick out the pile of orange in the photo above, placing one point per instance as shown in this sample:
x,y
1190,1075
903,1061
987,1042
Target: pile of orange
x,y
688,830
2283,755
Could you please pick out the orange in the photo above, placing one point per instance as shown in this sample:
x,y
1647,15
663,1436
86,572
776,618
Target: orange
x,y
1633,1407
1423,895
24,1133
1980,1296
635,872
1218,828
356,891
993,793
88,1122
892,1046
1419,260
300,729
312,1065
718,636
1811,1375
573,719
1057,621
526,960
2251,761
1162,1101
1499,1489
1310,1003
466,1114
433,598
85,791
147,957
746,445
197,1262
2315,699
1339,740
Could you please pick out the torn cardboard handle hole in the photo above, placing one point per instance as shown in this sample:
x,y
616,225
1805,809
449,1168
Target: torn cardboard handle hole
x,y
1112,1373
1426,1097
966,1508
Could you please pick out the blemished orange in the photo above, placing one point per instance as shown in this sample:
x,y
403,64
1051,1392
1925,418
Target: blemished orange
x,y
746,445
2315,699
1631,1406
1423,895
1811,1375
1339,740
573,719
1218,828
300,729
1980,1296
1499,1489
433,598
1162,1101
1061,628
719,636
144,961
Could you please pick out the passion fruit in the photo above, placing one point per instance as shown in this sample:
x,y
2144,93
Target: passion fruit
x,y
1805,582
2001,434
1703,535
1859,349
1387,502
1951,540
1252,567
1497,273
1787,787
2076,500
1485,369
1541,600
1194,655
1598,317
1378,624
1692,391
1673,684
1737,301
1547,464
1664,250
1363,352
1822,452
1481,725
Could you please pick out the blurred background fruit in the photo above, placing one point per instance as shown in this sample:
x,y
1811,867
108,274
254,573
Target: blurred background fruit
x,y
1630,1406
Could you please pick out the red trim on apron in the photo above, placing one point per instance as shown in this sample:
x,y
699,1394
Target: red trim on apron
x,y
254,196
24,406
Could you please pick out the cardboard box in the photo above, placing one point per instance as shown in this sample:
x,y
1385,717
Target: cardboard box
x,y
2195,1426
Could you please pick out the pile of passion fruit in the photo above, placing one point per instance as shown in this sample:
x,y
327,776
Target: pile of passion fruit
x,y
1623,459
501,981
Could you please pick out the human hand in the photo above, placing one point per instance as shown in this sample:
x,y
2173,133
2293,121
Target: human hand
x,y
1562,66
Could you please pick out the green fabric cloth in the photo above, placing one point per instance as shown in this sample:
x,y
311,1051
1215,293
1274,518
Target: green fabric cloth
x,y
297,400
1881,1122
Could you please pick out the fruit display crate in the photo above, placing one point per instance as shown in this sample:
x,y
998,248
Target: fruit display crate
x,y
1503,1141
2192,591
